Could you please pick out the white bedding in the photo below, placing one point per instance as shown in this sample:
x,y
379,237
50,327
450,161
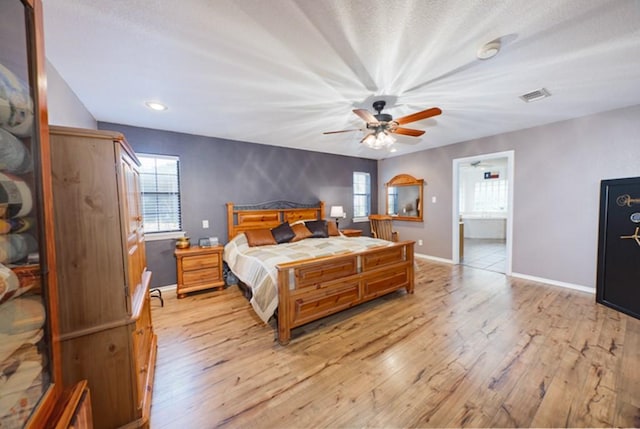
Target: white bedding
x,y
255,266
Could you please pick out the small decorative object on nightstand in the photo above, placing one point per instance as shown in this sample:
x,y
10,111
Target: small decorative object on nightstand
x,y
199,268
182,242
351,232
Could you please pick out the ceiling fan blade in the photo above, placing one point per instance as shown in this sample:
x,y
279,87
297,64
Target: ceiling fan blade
x,y
408,132
434,111
341,131
367,116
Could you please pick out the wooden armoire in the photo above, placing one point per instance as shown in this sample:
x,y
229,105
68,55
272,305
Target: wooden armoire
x,y
106,332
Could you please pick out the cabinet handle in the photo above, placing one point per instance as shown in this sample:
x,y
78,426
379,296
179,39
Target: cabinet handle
x,y
140,331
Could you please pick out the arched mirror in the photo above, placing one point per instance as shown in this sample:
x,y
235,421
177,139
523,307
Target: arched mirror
x,y
404,198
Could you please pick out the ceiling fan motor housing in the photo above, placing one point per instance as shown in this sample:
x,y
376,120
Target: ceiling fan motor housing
x,y
383,117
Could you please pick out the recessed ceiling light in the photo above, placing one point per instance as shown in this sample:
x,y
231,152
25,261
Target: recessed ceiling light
x,y
154,105
489,50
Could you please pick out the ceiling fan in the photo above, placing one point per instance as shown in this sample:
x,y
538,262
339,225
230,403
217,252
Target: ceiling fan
x,y
382,125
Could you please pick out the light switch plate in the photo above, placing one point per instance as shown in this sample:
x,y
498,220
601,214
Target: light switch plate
x,y
205,224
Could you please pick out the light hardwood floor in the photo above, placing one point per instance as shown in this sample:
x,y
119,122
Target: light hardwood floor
x,y
470,348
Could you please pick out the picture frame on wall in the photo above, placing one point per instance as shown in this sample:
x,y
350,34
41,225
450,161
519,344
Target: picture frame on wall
x,y
619,245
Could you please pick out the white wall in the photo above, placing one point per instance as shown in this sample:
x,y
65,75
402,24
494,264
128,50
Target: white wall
x,y
65,108
558,169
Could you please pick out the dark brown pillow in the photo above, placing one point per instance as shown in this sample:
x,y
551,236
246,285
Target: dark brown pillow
x,y
283,233
259,237
318,228
301,232
333,228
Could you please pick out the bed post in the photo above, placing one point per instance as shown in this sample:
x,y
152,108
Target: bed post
x,y
284,329
411,268
230,221
321,210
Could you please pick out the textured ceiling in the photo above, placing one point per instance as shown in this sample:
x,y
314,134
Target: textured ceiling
x,y
281,72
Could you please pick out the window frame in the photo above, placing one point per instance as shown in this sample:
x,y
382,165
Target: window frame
x,y
490,196
358,217
165,234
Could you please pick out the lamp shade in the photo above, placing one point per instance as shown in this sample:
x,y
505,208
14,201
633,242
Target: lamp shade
x,y
337,211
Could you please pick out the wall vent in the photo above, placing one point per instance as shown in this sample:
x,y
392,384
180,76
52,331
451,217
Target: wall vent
x,y
536,95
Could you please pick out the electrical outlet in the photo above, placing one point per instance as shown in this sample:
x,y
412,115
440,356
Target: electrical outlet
x,y
433,200
419,242
205,224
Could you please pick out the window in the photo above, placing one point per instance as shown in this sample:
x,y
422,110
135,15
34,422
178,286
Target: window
x,y
490,196
361,195
160,188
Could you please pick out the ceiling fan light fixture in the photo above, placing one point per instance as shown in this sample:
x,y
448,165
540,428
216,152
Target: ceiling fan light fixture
x,y
489,50
378,140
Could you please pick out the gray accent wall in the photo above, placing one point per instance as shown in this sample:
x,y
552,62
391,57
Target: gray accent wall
x,y
558,169
215,171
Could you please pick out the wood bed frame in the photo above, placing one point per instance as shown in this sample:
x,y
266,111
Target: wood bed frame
x,y
314,288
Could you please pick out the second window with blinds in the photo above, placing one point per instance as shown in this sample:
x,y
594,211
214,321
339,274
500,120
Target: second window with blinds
x,y
361,196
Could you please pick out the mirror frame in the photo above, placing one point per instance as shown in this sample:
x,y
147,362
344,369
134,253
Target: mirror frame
x,y
406,180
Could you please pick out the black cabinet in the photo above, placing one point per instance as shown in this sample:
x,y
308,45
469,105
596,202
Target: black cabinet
x,y
618,281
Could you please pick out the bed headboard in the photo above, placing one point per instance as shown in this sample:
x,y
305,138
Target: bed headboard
x,y
244,217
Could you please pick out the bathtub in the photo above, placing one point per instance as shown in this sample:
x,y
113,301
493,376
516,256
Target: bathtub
x,y
485,227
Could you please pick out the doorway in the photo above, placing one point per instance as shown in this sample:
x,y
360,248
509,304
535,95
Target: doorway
x,y
483,211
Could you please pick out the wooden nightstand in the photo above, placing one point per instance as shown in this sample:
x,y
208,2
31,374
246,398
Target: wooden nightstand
x,y
199,268
351,232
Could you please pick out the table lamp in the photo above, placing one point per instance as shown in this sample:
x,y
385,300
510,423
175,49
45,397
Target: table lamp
x,y
337,212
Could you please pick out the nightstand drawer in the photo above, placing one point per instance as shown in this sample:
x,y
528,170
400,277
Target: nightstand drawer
x,y
201,276
197,262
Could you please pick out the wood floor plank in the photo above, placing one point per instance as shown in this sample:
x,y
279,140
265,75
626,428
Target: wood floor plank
x,y
628,376
470,348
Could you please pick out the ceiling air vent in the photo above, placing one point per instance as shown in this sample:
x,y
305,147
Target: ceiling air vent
x,y
536,95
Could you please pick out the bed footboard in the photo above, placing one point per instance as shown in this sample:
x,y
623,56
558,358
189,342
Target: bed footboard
x,y
311,289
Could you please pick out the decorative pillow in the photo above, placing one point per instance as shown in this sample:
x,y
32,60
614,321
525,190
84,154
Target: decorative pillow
x,y
333,228
301,232
259,237
283,233
318,228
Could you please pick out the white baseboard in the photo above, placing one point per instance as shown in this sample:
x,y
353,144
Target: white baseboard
x,y
167,288
433,258
581,288
573,286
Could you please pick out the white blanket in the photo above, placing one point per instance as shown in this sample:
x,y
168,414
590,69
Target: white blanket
x,y
256,266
